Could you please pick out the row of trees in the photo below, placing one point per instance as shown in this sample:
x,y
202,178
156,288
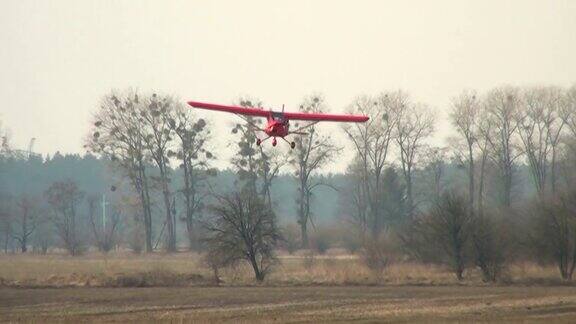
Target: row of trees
x,y
139,132
398,188
497,132
142,133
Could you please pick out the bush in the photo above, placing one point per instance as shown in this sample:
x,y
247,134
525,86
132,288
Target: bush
x,y
489,246
375,255
290,238
448,227
322,239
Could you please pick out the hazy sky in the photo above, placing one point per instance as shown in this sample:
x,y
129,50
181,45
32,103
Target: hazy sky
x,y
57,58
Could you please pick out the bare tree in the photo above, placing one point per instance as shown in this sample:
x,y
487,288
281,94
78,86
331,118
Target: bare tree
x,y
158,134
490,244
435,167
270,164
25,221
568,110
568,115
555,231
194,157
449,226
310,154
64,198
118,134
500,112
255,165
539,128
353,203
372,141
465,114
246,160
483,144
415,124
243,228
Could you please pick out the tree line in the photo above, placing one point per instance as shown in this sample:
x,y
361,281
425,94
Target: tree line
x,y
500,190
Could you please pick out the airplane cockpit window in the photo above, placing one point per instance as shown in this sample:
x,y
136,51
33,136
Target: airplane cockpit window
x,y
279,117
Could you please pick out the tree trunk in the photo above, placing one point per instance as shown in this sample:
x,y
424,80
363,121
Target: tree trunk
x,y
170,230
142,187
409,196
508,187
302,215
23,244
471,177
553,171
258,274
481,185
304,233
188,196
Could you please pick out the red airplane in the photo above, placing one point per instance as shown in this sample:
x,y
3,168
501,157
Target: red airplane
x,y
279,122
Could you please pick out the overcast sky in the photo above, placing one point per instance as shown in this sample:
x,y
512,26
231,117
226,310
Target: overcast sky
x,y
57,58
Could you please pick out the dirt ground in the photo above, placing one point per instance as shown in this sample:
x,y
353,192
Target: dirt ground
x,y
290,304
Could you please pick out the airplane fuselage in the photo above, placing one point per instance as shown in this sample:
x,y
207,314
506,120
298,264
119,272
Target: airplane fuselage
x,y
277,128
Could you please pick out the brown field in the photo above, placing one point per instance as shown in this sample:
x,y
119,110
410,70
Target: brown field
x,y
178,288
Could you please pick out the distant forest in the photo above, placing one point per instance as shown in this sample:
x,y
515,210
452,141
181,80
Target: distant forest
x,y
96,176
23,176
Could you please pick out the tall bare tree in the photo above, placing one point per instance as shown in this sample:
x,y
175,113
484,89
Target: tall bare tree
x,y
310,154
484,128
246,160
194,156
435,167
415,124
372,141
501,107
568,115
157,136
257,167
539,128
117,134
568,111
464,116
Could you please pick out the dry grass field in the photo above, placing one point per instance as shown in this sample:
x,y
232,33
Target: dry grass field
x,y
335,287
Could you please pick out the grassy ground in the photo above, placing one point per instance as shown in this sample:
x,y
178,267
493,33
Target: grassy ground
x,y
184,269
335,287
290,304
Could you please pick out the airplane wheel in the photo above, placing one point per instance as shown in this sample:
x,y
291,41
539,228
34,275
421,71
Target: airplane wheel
x,y
258,141
274,142
292,145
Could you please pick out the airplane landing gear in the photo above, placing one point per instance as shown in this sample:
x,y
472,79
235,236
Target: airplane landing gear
x,y
274,142
292,145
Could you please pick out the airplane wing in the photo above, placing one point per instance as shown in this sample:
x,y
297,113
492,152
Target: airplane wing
x,y
231,109
258,112
326,117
